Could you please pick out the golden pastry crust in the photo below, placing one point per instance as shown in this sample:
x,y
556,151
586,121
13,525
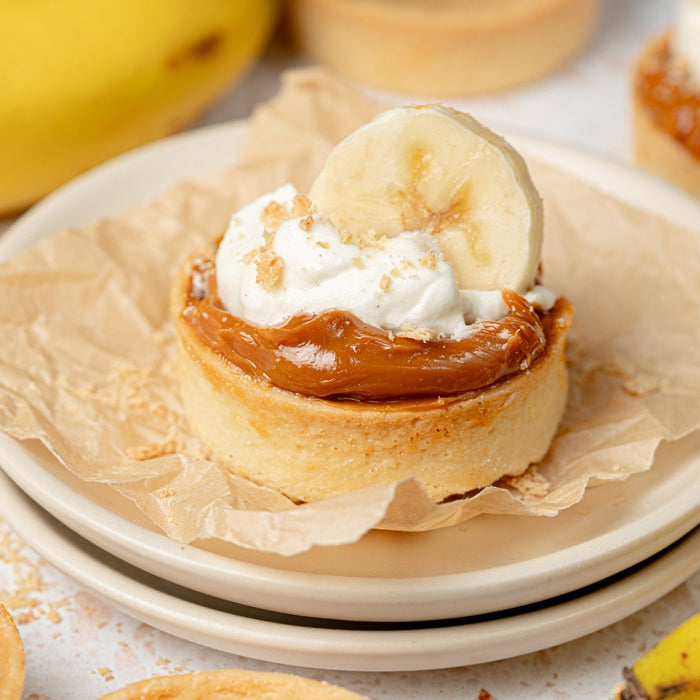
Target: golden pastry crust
x,y
12,663
231,685
655,149
443,48
311,449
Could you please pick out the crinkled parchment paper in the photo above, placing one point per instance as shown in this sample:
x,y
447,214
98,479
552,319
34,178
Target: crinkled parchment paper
x,y
87,351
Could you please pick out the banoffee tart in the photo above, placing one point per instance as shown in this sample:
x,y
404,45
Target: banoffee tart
x,y
666,102
391,324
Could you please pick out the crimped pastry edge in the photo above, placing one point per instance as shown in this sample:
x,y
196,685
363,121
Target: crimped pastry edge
x,y
231,683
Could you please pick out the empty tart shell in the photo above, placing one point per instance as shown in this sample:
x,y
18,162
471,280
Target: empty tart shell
x,y
445,47
311,449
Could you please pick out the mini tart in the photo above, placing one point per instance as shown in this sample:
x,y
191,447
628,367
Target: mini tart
x,y
311,449
657,148
244,685
443,47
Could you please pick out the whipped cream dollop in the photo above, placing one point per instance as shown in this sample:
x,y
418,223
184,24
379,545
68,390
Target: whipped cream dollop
x,y
685,37
279,259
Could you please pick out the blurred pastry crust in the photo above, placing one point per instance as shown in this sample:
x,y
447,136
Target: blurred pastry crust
x,y
12,662
244,685
311,449
443,47
655,148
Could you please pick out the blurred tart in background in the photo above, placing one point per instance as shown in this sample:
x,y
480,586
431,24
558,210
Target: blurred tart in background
x,y
666,102
442,47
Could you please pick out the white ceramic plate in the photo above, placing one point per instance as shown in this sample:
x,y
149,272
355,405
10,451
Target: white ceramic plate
x,y
323,644
489,564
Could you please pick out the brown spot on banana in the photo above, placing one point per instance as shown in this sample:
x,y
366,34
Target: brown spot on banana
x,y
686,689
199,50
417,215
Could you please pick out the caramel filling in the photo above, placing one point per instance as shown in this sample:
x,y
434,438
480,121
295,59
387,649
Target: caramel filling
x,y
670,97
335,355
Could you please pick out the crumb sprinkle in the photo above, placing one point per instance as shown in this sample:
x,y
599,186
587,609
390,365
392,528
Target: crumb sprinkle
x,y
302,206
429,260
306,223
269,237
106,673
530,483
269,267
155,449
416,333
273,215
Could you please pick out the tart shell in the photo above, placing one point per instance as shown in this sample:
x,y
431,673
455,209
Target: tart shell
x,y
310,449
443,48
234,683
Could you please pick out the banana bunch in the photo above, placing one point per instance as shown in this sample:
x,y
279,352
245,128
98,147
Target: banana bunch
x,y
670,670
84,80
431,168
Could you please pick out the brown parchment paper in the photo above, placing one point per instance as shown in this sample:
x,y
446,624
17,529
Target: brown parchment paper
x,y
87,346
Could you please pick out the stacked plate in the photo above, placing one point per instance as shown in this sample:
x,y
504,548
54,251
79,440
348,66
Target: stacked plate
x,y
492,588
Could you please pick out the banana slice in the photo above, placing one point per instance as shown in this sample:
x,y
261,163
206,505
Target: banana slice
x,y
434,169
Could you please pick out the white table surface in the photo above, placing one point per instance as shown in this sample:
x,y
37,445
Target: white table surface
x,y
78,647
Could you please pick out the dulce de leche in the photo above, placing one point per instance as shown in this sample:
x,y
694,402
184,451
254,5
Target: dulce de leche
x,y
335,355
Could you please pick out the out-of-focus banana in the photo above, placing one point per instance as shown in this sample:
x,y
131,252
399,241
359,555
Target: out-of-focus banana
x,y
11,658
670,670
434,169
84,81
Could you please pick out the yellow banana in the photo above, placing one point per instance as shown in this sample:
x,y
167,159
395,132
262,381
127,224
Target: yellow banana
x,y
670,670
84,80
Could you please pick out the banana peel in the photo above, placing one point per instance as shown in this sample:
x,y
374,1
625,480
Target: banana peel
x,y
84,81
670,670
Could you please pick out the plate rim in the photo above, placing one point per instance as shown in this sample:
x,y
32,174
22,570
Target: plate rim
x,y
329,595
422,648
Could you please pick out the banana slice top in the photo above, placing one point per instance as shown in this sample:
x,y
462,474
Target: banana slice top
x,y
437,170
